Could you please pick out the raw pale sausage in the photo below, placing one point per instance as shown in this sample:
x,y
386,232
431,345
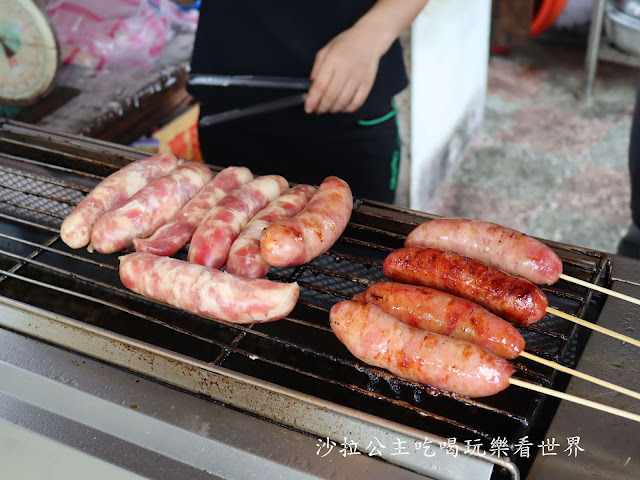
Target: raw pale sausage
x,y
493,244
513,298
206,291
213,238
149,209
311,232
176,233
111,192
379,339
244,257
439,312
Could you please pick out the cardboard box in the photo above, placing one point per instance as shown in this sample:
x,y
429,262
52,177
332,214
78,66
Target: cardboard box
x,y
180,136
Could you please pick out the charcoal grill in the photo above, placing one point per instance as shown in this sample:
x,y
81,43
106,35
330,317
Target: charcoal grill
x,y
189,397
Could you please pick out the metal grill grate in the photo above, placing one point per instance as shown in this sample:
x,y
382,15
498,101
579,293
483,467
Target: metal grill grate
x,y
299,352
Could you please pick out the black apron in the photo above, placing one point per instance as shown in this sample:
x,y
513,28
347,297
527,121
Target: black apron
x,y
280,38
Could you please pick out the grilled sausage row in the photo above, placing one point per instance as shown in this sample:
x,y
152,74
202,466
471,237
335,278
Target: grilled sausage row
x,y
402,326
303,225
160,204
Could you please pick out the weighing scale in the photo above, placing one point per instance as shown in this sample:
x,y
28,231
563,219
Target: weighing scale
x,y
29,53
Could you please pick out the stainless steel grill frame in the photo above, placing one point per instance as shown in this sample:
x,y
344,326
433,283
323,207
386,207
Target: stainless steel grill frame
x,y
293,372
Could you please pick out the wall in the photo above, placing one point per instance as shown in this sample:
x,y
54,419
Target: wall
x,y
449,59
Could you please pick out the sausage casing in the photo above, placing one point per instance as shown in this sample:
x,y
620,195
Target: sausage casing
x,y
206,291
379,339
512,298
440,312
212,240
149,209
176,233
244,257
111,192
492,244
311,232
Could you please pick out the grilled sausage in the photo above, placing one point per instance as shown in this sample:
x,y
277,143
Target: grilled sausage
x,y
149,209
111,192
244,257
311,232
176,233
379,339
439,312
206,291
512,298
493,244
213,238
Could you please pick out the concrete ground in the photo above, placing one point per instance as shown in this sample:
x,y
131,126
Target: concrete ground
x,y
548,161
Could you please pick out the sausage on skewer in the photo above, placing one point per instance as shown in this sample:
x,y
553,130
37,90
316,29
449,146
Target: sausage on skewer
x,y
446,314
512,298
492,244
379,339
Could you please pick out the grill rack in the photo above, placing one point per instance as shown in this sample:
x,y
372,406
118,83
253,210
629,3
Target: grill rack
x,y
300,352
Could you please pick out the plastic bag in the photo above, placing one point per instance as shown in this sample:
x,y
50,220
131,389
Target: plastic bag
x,y
130,32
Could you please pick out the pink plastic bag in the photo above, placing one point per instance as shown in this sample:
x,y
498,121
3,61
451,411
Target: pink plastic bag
x,y
130,32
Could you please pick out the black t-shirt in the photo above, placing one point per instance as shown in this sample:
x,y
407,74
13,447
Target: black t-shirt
x,y
280,38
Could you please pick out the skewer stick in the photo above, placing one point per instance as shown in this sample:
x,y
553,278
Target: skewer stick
x,y
573,398
593,326
600,289
581,375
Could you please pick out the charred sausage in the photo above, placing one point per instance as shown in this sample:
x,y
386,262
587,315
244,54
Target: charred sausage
x,y
311,232
149,209
379,339
244,257
111,192
206,291
513,298
493,244
212,240
176,233
439,312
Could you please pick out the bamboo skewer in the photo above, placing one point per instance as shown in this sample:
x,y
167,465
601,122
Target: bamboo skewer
x,y
572,398
600,289
581,375
593,326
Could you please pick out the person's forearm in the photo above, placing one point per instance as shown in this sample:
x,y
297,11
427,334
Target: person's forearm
x,y
387,19
345,69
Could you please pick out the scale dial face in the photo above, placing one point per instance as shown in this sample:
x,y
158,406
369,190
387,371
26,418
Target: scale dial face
x,y
29,53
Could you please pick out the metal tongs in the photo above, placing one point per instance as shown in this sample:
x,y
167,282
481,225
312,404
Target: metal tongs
x,y
255,81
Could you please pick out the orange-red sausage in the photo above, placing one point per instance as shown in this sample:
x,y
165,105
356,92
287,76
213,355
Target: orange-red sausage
x,y
311,232
439,312
379,339
492,244
244,256
512,298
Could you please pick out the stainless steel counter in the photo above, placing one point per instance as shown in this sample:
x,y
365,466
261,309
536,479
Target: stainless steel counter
x,y
611,444
85,416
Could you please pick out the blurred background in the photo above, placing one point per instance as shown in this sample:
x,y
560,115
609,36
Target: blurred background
x,y
518,111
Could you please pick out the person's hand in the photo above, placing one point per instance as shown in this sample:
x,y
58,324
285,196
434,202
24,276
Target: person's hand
x,y
343,74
